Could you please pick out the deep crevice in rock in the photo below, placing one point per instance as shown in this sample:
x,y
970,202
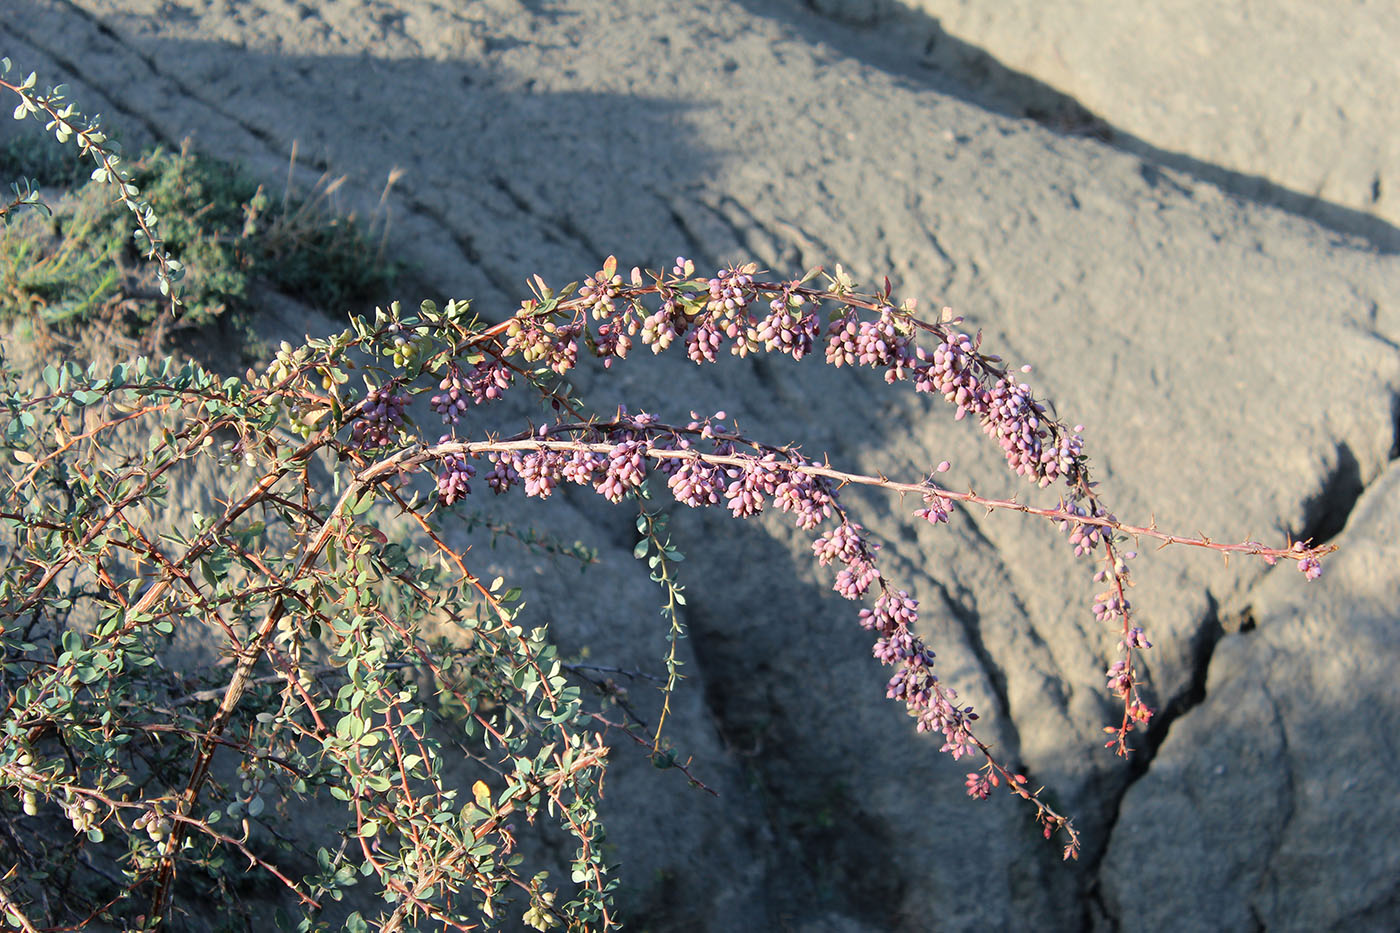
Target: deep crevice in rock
x,y
1202,648
1394,453
1325,514
1097,914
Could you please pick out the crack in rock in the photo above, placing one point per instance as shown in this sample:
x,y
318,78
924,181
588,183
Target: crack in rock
x,y
1193,694
1327,515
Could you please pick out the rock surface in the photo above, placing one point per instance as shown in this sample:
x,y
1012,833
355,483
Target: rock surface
x,y
1288,101
1235,365
1293,748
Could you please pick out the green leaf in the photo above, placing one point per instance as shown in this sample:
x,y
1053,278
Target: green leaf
x,y
350,726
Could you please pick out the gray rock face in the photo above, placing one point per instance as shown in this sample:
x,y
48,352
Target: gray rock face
x,y
1293,94
1270,801
1235,367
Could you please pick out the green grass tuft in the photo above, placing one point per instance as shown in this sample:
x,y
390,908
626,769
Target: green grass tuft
x,y
61,272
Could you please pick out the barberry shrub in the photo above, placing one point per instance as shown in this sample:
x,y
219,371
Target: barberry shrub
x,y
140,785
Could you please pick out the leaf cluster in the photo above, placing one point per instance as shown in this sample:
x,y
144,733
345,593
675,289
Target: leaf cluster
x,y
180,775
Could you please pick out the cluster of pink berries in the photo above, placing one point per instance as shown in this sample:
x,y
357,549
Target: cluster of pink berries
x,y
613,459
453,482
378,419
485,382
